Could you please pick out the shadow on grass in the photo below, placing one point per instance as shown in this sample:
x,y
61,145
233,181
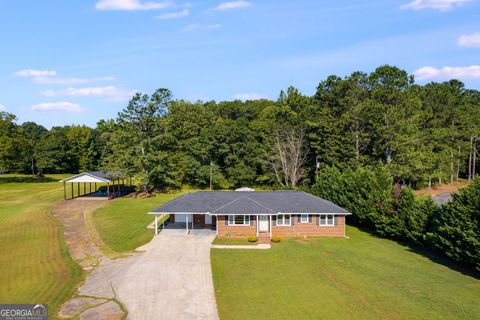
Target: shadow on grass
x,y
430,253
26,179
439,258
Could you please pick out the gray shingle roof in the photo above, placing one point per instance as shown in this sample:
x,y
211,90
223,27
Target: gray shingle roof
x,y
258,202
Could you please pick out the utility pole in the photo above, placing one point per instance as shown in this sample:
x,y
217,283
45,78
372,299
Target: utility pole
x,y
211,172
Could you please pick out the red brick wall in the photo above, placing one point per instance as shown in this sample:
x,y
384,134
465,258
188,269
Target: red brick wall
x,y
225,230
298,229
311,229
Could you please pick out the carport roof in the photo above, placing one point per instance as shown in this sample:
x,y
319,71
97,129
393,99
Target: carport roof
x,y
98,176
258,202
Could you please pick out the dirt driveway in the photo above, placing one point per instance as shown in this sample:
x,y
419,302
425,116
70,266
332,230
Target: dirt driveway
x,y
170,278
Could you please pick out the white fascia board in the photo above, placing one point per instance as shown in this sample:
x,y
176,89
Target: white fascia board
x,y
153,212
90,178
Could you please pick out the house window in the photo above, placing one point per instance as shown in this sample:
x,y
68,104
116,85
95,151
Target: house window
x,y
239,220
284,220
326,220
304,218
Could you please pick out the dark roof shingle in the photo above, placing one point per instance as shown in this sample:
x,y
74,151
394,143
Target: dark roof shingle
x,y
258,202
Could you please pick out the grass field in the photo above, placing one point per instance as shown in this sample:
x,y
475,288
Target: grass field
x,y
35,266
122,224
363,277
233,241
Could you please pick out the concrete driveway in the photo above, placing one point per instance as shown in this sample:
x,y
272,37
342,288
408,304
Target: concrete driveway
x,y
171,280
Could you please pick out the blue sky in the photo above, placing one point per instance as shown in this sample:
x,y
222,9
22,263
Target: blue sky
x,y
75,62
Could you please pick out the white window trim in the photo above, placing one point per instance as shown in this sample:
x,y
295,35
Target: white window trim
x,y
326,220
304,215
283,224
246,221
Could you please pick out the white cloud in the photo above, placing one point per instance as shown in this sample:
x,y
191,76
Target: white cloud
x,y
232,5
196,26
2,107
30,73
131,5
113,92
469,40
173,15
213,26
50,77
442,5
57,106
248,96
468,72
191,27
67,81
47,93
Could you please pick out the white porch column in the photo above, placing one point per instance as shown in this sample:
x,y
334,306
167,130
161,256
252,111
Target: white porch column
x,y
257,224
192,221
156,224
186,224
270,220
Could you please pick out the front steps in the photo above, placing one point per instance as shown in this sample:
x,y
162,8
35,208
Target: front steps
x,y
264,238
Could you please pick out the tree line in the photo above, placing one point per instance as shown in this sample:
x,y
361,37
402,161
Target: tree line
x,y
423,134
387,209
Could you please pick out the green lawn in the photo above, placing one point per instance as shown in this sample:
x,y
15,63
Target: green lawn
x,y
363,277
35,266
233,241
122,224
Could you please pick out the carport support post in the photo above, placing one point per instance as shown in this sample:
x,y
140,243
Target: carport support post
x,y
95,186
108,189
78,189
156,224
270,220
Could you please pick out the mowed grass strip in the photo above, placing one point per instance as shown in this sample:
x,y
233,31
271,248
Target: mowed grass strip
x,y
122,224
363,277
35,266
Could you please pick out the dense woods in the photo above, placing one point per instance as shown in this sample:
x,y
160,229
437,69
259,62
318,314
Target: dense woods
x,y
358,141
423,134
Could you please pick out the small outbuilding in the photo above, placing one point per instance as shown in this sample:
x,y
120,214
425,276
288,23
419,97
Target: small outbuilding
x,y
97,184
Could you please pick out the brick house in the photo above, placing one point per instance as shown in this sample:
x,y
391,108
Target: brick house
x,y
261,213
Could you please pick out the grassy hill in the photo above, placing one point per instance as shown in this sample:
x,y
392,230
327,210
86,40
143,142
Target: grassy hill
x,y
363,277
35,266
122,224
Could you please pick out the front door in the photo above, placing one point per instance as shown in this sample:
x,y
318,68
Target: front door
x,y
199,219
263,221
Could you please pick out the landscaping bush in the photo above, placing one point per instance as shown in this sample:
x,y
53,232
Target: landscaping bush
x,y
252,238
456,227
369,194
366,192
276,239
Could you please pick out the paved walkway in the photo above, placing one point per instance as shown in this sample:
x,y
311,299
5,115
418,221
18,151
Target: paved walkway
x,y
246,246
442,198
169,278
